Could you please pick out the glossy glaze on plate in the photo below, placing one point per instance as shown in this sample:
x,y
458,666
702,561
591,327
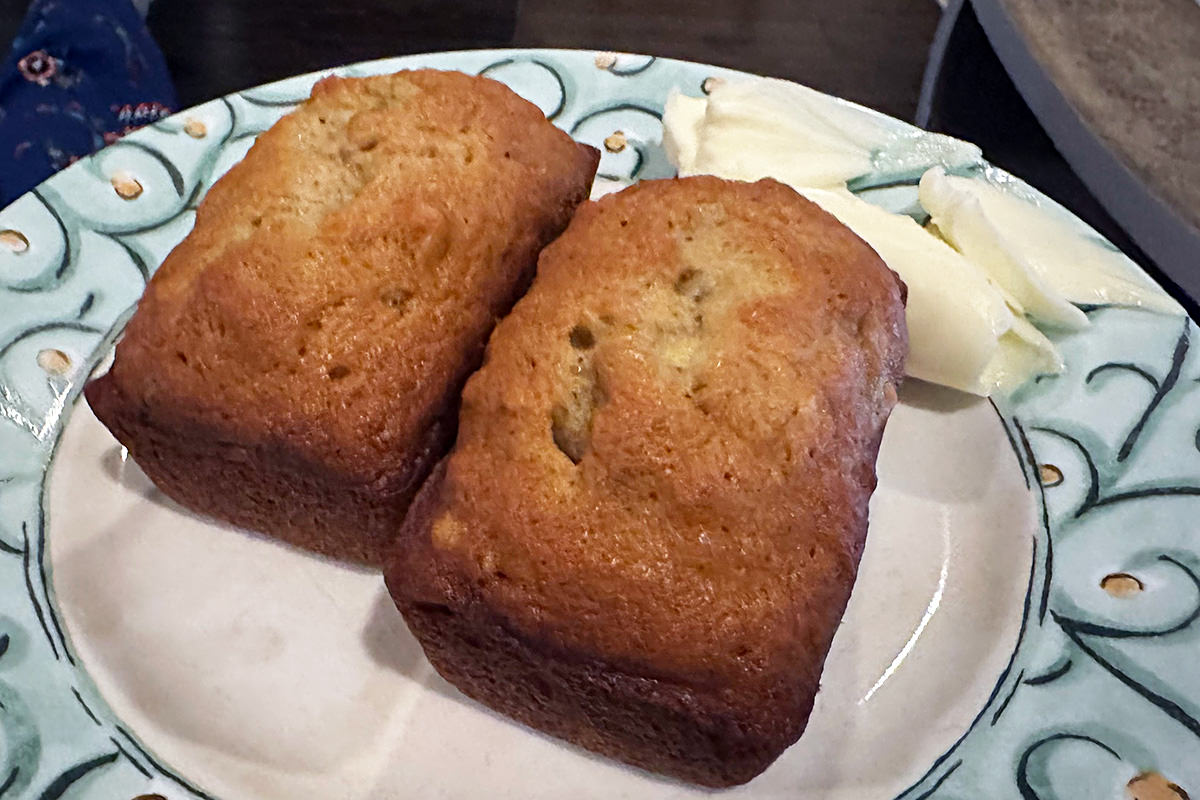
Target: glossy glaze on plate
x,y
1083,676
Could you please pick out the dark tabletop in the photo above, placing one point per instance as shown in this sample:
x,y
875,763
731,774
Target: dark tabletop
x,y
871,51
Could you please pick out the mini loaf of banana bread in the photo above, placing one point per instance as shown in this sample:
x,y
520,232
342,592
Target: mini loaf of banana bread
x,y
648,529
295,364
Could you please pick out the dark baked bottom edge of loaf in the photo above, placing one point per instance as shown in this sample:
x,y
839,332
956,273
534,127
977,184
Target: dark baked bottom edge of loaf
x,y
646,723
268,488
665,727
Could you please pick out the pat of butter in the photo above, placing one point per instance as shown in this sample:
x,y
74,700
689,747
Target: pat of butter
x,y
1003,257
1043,257
734,139
961,332
683,117
770,128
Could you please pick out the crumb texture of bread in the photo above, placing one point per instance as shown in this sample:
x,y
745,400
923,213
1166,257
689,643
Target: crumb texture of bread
x,y
294,365
649,527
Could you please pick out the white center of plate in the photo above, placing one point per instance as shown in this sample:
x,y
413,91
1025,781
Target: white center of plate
x,y
258,671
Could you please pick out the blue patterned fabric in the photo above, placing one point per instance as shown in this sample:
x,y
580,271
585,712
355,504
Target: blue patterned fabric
x,y
81,74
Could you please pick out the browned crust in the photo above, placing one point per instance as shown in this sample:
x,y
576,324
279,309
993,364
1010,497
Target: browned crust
x,y
647,531
275,487
295,363
663,726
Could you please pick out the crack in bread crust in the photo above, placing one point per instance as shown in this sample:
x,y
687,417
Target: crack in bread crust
x,y
337,289
646,534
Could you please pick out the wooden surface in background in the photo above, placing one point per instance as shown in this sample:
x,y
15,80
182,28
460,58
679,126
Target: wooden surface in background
x,y
870,51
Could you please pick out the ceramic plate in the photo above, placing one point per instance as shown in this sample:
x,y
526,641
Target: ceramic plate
x,y
1023,625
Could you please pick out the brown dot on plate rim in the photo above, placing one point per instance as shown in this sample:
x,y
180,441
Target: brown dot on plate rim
x,y
1121,584
605,60
126,185
15,241
56,362
1153,786
1050,475
615,142
195,128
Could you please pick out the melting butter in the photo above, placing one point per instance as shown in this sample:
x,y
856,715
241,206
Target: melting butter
x,y
1003,257
733,138
962,333
808,139
683,118
1042,256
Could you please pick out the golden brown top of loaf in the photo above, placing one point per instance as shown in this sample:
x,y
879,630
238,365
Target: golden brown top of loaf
x,y
667,456
340,279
